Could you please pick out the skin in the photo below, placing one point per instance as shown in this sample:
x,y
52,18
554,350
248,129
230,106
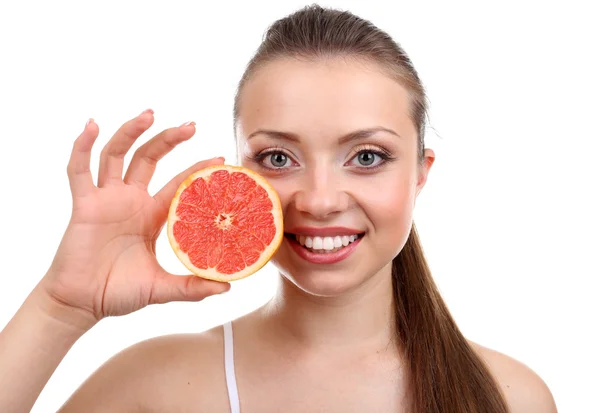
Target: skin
x,y
294,351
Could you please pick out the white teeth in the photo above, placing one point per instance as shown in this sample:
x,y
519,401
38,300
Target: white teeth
x,y
317,243
326,243
337,242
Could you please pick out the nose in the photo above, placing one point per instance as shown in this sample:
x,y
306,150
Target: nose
x,y
321,193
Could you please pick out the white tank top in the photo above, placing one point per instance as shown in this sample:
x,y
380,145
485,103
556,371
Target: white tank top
x,y
232,390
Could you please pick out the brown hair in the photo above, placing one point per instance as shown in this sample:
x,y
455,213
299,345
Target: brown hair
x,y
446,375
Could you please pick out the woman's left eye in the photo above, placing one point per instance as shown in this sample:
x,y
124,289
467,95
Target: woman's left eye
x,y
368,158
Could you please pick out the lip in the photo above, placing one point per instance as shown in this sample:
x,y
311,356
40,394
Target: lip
x,y
323,232
323,258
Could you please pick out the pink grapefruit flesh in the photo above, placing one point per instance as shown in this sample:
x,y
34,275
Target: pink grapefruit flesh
x,y
225,222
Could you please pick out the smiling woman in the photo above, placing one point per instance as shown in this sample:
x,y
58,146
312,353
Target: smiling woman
x,y
332,113
335,120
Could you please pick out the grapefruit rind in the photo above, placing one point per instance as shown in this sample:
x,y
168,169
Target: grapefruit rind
x,y
212,273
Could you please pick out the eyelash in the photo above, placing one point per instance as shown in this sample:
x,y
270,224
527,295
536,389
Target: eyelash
x,y
385,156
259,157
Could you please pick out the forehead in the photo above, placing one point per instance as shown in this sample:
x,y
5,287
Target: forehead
x,y
323,98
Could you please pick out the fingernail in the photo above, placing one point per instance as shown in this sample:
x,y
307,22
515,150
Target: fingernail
x,y
90,120
188,124
147,111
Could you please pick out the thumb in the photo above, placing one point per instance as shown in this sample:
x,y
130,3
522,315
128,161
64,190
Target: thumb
x,y
169,287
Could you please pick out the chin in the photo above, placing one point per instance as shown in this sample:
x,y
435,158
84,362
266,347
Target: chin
x,y
322,283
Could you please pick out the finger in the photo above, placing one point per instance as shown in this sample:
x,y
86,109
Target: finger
x,y
143,163
166,194
111,158
169,287
78,168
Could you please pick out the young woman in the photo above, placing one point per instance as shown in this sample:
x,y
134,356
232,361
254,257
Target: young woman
x,y
331,111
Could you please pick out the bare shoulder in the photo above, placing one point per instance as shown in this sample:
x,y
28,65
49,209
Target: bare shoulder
x,y
525,391
165,373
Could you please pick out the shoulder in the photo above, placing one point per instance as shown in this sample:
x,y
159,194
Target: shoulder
x,y
174,350
524,390
159,374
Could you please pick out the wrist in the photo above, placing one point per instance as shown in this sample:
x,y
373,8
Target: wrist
x,y
73,321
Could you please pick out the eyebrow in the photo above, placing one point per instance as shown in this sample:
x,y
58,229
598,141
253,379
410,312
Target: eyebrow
x,y
354,135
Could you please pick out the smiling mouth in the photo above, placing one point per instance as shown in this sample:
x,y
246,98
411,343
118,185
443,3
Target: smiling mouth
x,y
324,245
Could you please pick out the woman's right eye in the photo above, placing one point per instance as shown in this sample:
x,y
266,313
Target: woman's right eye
x,y
275,160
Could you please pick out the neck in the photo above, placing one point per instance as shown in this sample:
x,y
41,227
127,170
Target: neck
x,y
361,318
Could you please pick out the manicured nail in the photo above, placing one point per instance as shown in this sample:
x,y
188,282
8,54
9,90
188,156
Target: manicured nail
x,y
188,124
147,111
90,120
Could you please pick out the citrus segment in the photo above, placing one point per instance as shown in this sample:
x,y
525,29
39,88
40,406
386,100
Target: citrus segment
x,y
225,222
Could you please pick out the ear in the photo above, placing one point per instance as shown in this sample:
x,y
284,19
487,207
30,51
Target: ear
x,y
424,168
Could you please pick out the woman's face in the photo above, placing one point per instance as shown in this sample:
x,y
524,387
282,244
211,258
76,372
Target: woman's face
x,y
335,140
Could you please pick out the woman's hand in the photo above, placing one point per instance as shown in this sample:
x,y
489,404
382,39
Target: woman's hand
x,y
106,263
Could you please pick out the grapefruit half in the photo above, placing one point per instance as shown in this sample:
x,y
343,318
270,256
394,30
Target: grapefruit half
x,y
225,222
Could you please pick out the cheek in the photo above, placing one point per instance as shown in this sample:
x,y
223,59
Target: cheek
x,y
387,206
388,203
285,190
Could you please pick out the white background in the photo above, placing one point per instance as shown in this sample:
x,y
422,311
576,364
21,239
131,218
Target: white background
x,y
509,219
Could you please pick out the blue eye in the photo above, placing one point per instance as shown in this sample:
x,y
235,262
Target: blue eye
x,y
369,158
273,160
278,159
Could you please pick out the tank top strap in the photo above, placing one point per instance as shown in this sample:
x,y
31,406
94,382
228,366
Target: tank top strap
x,y
232,390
